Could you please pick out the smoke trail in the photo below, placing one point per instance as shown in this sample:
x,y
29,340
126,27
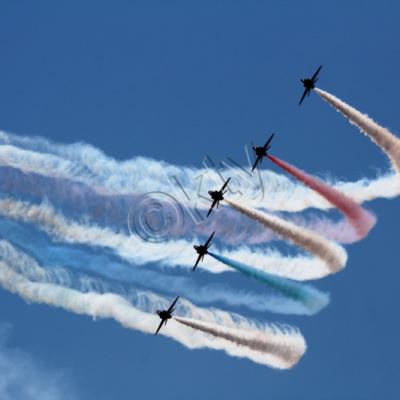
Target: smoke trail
x,y
271,346
84,164
129,247
313,299
332,254
83,260
135,211
251,340
362,220
385,139
170,253
25,265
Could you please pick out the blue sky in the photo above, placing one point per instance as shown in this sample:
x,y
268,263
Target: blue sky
x,y
181,80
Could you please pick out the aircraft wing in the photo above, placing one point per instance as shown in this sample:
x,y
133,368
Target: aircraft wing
x,y
159,327
225,184
258,159
209,239
316,73
302,97
172,305
197,262
211,208
268,141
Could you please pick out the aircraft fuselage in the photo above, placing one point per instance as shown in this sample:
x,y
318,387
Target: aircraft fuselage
x,y
163,314
201,250
260,151
216,195
308,83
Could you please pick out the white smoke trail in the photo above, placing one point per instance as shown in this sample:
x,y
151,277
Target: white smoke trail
x,y
125,276
170,253
85,164
268,345
172,220
332,254
26,265
286,356
385,139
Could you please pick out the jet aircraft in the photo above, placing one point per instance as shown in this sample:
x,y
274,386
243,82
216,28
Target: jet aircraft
x,y
202,250
165,315
217,196
309,84
261,152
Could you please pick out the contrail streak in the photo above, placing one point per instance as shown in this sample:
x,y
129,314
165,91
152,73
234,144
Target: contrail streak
x,y
332,254
361,219
86,164
175,222
169,253
313,299
385,139
287,356
268,345
79,259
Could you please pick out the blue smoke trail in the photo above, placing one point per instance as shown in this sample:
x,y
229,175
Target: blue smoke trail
x,y
311,297
124,275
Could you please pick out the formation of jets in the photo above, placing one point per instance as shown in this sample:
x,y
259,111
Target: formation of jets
x,y
218,195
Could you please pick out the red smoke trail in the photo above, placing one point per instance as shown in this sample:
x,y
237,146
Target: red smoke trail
x,y
361,219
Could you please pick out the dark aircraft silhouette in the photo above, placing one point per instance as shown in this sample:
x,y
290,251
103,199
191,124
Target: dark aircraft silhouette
x,y
202,250
217,196
309,84
261,151
165,315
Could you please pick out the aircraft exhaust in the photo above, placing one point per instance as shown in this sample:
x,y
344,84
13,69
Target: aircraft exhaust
x,y
331,253
270,345
93,176
170,254
382,137
361,220
283,350
310,298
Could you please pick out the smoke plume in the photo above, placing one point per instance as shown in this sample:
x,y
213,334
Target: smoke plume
x,y
332,254
361,219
